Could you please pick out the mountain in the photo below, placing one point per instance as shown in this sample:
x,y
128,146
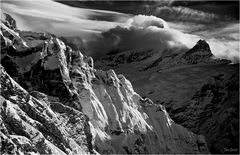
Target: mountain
x,y
179,80
54,101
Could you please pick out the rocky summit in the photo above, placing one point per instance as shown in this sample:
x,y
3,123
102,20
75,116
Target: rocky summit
x,y
53,101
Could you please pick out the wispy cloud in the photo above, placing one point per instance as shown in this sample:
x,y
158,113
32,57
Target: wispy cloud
x,y
60,19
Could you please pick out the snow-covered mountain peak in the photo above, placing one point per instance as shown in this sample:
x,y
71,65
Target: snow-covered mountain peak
x,y
86,110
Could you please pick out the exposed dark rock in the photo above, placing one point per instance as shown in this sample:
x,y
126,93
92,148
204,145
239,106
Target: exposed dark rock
x,y
8,21
213,111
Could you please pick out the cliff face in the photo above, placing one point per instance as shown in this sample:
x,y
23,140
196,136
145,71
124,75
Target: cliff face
x,y
32,123
53,100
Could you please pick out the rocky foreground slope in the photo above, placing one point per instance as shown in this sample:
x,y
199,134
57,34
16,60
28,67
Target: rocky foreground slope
x,y
199,91
53,101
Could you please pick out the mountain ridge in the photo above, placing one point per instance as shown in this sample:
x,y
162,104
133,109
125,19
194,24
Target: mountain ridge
x,y
73,108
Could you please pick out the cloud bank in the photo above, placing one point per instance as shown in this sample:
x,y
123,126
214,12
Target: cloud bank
x,y
149,32
141,33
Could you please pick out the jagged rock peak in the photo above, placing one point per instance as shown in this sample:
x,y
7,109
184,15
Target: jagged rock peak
x,y
201,47
202,42
8,21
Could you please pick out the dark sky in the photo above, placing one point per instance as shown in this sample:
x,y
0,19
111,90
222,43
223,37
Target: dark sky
x,y
228,8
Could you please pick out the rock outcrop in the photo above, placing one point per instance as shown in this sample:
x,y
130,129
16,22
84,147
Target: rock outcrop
x,y
8,21
53,101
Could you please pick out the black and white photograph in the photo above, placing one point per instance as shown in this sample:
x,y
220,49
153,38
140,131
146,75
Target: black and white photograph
x,y
119,77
